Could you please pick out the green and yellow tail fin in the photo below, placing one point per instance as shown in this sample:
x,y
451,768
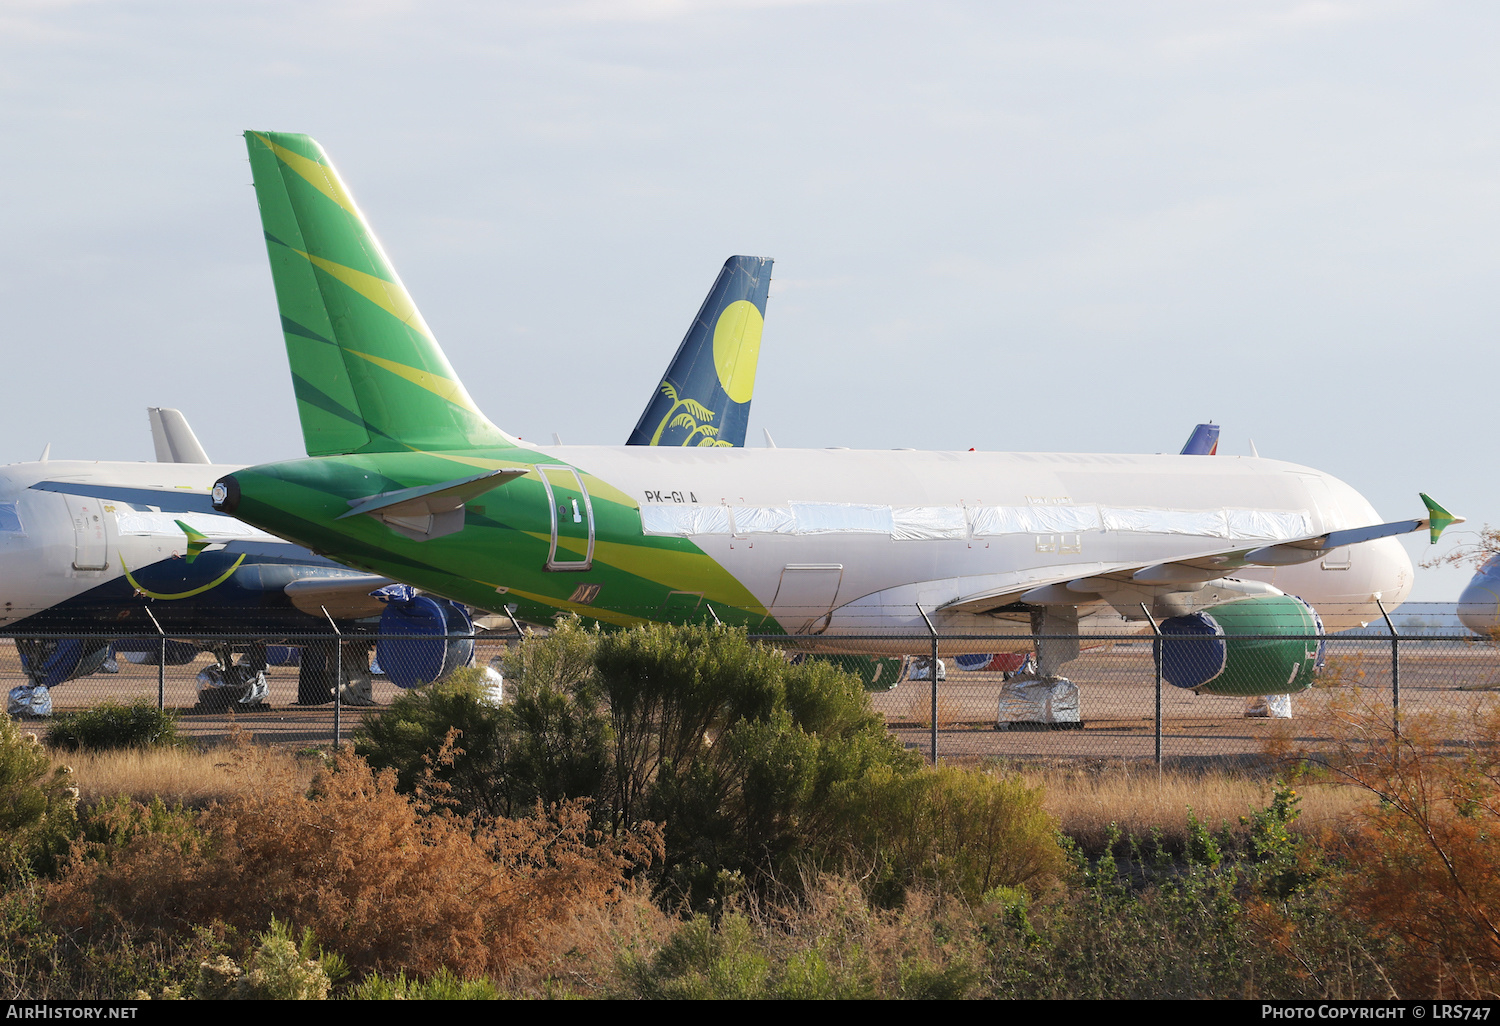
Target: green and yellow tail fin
x,y
368,375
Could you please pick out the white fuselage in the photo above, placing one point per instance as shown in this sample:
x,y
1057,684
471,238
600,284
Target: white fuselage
x,y
55,546
850,542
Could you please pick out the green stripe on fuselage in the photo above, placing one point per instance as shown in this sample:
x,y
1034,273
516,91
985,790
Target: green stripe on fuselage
x,y
505,543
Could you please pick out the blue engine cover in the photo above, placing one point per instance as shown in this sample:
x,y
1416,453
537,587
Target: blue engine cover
x,y
49,662
1193,651
422,640
146,651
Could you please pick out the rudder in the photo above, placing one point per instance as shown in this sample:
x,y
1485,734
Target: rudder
x,y
704,399
367,372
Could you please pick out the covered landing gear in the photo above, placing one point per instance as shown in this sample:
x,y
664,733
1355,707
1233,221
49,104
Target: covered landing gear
x,y
1036,697
47,663
321,665
234,685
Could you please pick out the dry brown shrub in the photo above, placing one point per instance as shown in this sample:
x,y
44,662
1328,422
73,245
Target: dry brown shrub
x,y
1423,868
388,883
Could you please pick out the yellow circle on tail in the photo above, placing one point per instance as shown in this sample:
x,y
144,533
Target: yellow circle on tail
x,y
737,348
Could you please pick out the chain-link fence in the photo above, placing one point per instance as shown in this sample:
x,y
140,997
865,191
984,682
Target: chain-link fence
x,y
1116,699
1111,706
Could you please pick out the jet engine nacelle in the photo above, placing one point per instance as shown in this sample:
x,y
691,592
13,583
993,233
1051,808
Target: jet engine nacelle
x,y
148,651
423,639
991,662
1254,646
878,673
50,661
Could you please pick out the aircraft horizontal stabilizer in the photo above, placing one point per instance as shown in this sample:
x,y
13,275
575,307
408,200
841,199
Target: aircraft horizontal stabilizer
x,y
430,511
166,499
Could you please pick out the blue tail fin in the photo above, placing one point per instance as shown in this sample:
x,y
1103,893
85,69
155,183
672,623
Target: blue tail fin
x,y
705,397
1204,441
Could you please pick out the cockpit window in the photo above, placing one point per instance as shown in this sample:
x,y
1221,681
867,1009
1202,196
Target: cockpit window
x,y
10,517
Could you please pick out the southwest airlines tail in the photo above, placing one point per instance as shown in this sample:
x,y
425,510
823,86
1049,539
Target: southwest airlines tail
x,y
705,397
368,375
1204,441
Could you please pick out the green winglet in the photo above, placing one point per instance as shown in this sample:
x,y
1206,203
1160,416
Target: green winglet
x,y
1437,517
196,540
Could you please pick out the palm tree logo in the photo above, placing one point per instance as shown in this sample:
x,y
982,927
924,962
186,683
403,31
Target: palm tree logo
x,y
694,417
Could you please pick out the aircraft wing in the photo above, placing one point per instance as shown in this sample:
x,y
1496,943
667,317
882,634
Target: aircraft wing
x,y
1083,583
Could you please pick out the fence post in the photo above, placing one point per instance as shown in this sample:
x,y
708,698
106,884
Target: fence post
x,y
338,677
932,674
161,663
1395,675
1156,657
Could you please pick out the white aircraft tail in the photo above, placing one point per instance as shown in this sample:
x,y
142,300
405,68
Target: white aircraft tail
x,y
173,438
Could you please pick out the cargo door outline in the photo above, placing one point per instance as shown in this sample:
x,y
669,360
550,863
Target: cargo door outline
x,y
90,538
806,593
571,523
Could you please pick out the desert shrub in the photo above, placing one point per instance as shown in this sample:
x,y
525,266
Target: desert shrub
x,y
733,748
358,864
549,741
114,725
282,967
966,831
407,736
827,941
736,751
1423,870
561,741
1155,926
38,804
1253,914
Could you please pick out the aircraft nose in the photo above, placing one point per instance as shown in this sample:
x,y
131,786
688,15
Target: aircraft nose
x,y
1479,605
1391,575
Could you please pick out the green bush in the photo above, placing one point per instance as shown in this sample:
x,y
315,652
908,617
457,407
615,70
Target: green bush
x,y
38,805
561,743
961,830
759,769
442,985
114,725
737,751
283,967
548,742
457,715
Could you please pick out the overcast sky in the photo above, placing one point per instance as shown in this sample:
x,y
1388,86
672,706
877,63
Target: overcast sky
x,y
1061,226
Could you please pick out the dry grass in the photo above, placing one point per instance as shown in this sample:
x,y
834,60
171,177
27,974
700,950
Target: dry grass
x,y
194,779
362,866
1086,801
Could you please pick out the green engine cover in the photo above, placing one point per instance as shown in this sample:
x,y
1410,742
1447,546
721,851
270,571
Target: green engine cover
x,y
878,674
1254,646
